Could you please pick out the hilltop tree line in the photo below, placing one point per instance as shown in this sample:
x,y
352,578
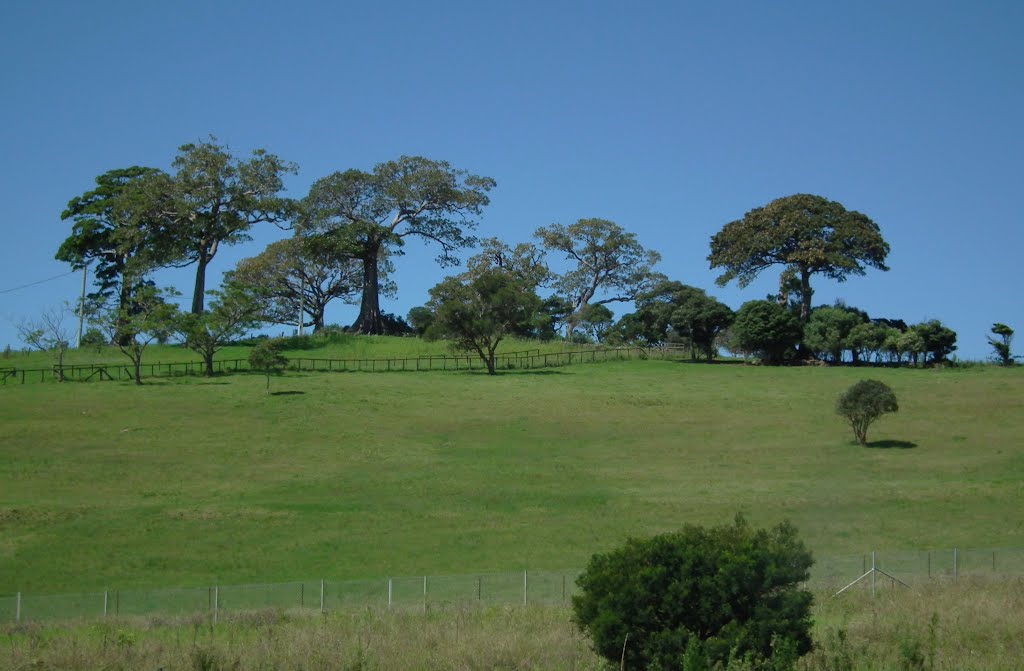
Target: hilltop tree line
x,y
344,237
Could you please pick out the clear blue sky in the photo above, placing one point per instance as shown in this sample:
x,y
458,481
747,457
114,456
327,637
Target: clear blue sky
x,y
669,118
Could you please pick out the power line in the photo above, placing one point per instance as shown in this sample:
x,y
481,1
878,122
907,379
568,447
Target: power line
x,y
32,284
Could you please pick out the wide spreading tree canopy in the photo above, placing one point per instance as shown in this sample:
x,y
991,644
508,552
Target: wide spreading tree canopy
x,y
477,313
807,235
605,259
217,198
301,274
374,212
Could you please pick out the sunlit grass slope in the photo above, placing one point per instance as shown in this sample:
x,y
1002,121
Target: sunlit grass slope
x,y
191,481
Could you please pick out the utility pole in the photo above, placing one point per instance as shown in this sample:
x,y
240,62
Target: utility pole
x,y
302,302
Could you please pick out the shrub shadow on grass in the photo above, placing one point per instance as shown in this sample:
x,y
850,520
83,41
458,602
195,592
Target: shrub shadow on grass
x,y
286,393
891,444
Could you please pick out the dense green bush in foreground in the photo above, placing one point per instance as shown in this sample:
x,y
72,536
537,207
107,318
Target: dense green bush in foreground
x,y
706,595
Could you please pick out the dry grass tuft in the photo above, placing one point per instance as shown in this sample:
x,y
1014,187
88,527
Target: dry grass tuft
x,y
970,626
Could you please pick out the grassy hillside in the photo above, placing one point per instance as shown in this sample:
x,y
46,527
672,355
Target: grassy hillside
x,y
189,481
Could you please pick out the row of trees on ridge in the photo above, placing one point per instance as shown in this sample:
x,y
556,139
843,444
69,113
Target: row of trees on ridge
x,y
347,233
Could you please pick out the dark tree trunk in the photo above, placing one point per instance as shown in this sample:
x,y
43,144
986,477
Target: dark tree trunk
x,y
370,321
805,295
122,337
487,355
318,319
199,294
208,364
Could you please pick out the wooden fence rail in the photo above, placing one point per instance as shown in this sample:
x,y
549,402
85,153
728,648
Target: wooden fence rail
x,y
532,358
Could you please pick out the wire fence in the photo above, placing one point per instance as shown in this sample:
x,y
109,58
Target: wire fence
x,y
896,570
525,359
419,592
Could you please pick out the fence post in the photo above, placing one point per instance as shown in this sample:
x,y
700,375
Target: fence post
x,y
389,593
17,608
872,573
321,595
104,603
424,594
216,601
479,586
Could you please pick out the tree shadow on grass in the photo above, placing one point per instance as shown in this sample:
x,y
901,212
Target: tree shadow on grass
x,y
891,444
510,371
286,393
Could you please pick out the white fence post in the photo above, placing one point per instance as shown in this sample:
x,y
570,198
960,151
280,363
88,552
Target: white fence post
x,y
389,593
872,573
104,603
216,601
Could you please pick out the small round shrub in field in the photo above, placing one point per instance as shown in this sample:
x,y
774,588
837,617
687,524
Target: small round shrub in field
x,y
865,402
266,356
699,597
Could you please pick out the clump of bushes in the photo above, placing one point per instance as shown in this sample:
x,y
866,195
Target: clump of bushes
x,y
700,597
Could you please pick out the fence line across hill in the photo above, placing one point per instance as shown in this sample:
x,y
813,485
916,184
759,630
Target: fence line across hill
x,y
898,570
532,358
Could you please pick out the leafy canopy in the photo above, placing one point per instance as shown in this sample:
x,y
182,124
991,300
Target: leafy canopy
x,y
865,402
683,312
119,228
728,590
828,331
267,357
374,212
939,341
1001,347
149,317
477,314
807,235
767,329
607,260
302,273
233,312
217,198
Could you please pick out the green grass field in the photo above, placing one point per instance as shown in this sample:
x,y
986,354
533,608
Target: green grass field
x,y
191,481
